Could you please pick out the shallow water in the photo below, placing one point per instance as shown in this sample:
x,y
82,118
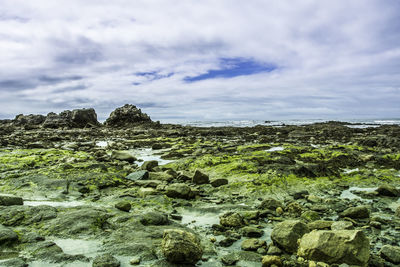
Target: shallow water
x,y
349,195
277,148
102,143
89,248
203,219
64,204
146,154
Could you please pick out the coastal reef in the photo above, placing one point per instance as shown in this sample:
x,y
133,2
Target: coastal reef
x,y
133,192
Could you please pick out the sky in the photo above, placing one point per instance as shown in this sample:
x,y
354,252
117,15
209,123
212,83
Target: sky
x,y
202,59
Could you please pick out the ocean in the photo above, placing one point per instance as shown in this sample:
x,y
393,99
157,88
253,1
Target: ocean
x,y
353,123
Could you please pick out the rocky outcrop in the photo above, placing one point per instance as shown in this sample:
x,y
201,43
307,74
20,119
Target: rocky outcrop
x,y
125,116
344,246
21,120
77,118
181,247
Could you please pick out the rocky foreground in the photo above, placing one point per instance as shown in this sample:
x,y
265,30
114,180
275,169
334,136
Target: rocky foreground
x,y
76,192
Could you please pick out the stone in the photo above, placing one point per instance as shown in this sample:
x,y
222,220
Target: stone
x,y
181,247
360,212
320,225
105,260
123,205
125,116
135,261
154,218
270,260
7,236
146,191
252,244
388,191
397,212
310,216
200,178
250,231
139,175
179,190
123,155
270,204
31,119
81,118
8,200
149,165
390,253
219,182
342,225
285,234
335,247
274,250
231,219
299,194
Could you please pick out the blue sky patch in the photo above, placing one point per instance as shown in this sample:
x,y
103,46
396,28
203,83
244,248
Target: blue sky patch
x,y
233,67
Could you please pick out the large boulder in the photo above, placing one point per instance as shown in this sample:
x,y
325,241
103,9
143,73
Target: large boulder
x,y
31,120
126,115
181,247
286,234
343,246
77,118
123,155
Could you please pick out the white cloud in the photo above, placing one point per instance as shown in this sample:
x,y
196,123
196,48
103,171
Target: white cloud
x,y
334,58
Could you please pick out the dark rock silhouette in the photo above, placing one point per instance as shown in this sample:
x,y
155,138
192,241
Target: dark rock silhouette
x,y
126,115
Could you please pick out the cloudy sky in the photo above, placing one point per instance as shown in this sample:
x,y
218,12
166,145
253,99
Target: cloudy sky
x,y
202,59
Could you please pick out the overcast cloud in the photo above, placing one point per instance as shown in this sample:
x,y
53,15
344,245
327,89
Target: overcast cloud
x,y
202,60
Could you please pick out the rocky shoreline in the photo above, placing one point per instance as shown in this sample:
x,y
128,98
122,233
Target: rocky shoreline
x,y
75,192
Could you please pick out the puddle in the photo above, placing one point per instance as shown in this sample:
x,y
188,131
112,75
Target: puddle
x,y
195,219
277,148
349,195
64,204
102,143
348,171
89,248
147,154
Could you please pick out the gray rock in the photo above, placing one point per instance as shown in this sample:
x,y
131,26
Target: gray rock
x,y
123,205
231,219
360,212
391,253
7,236
126,115
123,155
344,246
7,200
200,178
388,191
286,234
180,246
149,165
105,260
28,119
179,190
137,176
154,218
219,182
320,225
